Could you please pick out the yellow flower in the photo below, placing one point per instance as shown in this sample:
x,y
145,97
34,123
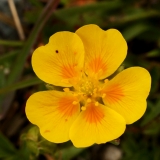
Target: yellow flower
x,y
92,109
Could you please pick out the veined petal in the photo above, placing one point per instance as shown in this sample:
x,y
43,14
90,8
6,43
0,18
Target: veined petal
x,y
97,124
105,50
60,61
126,93
54,112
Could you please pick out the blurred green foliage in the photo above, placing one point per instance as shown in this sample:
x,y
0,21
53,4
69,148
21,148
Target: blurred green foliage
x,y
138,20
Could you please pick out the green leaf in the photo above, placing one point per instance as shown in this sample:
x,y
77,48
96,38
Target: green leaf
x,y
2,77
134,31
8,56
2,83
99,6
6,147
70,152
155,111
152,129
153,53
139,15
155,74
36,3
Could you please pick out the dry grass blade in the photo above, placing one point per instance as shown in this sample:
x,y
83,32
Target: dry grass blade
x,y
21,58
16,19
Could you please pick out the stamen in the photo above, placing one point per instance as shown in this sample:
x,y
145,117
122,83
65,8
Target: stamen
x,y
75,94
83,108
66,89
106,80
86,86
96,104
88,100
95,90
103,95
74,102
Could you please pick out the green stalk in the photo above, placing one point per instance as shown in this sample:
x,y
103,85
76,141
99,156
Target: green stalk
x,y
11,43
21,84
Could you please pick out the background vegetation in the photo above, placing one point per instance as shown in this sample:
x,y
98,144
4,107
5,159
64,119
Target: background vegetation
x,y
139,22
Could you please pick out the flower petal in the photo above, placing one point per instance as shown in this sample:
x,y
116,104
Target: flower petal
x,y
54,112
97,124
61,60
126,93
105,50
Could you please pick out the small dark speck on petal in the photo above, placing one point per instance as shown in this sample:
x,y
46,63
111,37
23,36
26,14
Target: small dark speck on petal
x,y
56,51
66,120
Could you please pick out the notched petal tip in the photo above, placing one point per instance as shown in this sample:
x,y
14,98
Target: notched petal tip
x,y
126,93
60,61
106,50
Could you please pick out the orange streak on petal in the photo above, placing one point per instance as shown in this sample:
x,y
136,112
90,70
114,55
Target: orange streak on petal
x,y
93,114
114,93
69,71
46,131
97,64
66,108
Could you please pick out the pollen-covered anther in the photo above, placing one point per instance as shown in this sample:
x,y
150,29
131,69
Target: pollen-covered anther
x,y
95,90
83,108
103,95
96,103
74,94
88,100
74,102
66,89
106,80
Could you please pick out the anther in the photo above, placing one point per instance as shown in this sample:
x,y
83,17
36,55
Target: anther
x,y
75,94
74,102
96,104
95,90
103,95
66,89
106,80
88,100
83,108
